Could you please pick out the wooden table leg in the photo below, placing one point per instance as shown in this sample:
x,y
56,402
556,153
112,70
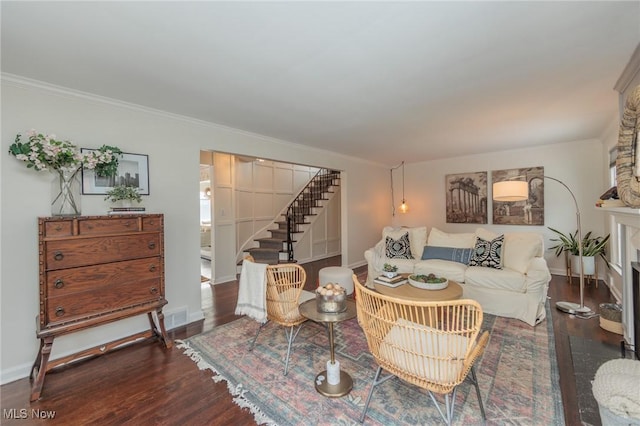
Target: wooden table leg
x,y
156,320
39,368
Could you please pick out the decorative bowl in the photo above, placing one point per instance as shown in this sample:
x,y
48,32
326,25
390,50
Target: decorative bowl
x,y
390,274
331,298
418,282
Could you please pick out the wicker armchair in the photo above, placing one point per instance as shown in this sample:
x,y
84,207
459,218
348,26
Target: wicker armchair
x,y
285,292
432,345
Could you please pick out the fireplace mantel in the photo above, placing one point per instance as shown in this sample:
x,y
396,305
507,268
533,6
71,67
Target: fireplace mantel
x,y
629,219
623,211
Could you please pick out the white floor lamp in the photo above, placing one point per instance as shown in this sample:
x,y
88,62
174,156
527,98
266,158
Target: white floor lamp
x,y
518,190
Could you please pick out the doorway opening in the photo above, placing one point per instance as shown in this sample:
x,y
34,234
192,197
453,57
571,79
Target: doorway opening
x,y
206,212
249,196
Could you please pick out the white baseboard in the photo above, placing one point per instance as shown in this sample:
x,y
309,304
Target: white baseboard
x,y
181,316
357,264
563,272
224,279
174,318
196,316
12,374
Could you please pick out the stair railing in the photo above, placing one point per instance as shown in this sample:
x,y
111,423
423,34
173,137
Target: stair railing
x,y
307,199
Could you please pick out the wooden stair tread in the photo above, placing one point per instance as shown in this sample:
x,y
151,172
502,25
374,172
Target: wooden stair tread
x,y
301,208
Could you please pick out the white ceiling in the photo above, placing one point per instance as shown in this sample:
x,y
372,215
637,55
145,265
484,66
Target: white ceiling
x,y
382,81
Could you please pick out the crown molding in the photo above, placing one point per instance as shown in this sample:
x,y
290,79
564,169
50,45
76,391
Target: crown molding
x,y
28,83
629,72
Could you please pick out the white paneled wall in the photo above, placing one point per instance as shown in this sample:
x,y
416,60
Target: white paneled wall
x,y
253,193
223,215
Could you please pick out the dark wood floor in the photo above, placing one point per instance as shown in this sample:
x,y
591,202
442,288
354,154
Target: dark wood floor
x,y
144,384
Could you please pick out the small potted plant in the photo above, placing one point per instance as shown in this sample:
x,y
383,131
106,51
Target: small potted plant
x,y
591,247
390,270
125,194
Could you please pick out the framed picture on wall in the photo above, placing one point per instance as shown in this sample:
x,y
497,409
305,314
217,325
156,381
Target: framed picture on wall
x,y
133,170
528,212
466,197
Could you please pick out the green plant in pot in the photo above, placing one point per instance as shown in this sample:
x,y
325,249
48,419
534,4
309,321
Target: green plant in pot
x,y
591,248
124,193
387,267
389,270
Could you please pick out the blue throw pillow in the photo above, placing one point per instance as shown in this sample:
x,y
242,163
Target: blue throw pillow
x,y
460,255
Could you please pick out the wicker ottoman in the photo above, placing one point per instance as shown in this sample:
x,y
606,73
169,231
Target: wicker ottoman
x,y
336,275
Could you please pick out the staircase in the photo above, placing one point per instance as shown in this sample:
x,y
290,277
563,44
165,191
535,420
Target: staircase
x,y
278,248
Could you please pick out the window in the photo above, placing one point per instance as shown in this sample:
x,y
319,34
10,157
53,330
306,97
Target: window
x,y
615,246
613,154
615,229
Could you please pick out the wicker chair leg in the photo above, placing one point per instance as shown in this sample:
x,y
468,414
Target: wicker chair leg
x,y
253,342
474,379
449,405
291,336
376,381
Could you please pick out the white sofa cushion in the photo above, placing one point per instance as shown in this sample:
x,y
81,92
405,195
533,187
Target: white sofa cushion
x,y
519,248
441,268
497,279
425,352
458,240
417,237
405,266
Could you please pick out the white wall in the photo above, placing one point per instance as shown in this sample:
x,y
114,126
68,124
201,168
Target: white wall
x,y
577,164
173,145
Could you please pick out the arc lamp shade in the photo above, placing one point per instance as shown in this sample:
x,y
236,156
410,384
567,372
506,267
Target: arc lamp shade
x,y
510,190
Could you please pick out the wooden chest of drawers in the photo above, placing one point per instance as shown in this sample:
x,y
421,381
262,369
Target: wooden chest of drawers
x,y
95,270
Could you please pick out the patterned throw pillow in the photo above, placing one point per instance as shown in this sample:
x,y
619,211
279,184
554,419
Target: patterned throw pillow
x,y
398,249
488,253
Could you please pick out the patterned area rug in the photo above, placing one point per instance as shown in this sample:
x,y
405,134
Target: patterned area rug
x,y
518,376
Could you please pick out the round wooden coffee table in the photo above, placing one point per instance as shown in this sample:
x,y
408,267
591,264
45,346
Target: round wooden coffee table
x,y
409,292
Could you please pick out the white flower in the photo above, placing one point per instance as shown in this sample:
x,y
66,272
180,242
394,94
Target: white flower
x,y
44,152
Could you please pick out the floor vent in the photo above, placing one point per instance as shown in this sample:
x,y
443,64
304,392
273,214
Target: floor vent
x,y
175,319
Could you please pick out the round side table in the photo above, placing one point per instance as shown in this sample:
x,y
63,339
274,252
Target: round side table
x,y
309,310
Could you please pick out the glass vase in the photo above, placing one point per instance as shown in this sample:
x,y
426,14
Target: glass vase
x,y
65,192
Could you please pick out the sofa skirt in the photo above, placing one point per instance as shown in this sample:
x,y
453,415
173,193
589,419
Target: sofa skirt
x,y
523,306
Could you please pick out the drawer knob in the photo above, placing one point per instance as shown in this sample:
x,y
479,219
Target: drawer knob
x,y
59,228
89,226
58,255
58,283
126,224
59,311
154,290
152,268
152,245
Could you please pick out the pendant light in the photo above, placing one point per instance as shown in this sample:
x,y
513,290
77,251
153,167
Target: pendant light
x,y
403,207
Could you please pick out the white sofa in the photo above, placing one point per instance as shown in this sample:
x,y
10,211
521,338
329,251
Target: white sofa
x,y
517,290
